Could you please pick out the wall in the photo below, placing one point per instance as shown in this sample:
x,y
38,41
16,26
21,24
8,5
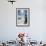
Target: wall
x,y
37,29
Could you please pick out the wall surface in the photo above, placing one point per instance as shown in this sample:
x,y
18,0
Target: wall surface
x,y
37,29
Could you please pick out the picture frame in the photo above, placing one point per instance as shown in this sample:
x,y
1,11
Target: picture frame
x,y
22,17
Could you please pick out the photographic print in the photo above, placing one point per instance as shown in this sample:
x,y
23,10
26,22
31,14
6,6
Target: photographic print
x,y
22,16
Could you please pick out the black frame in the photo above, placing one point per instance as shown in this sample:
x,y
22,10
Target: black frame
x,y
28,17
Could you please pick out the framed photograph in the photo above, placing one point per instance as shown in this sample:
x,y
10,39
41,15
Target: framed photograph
x,y
22,17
